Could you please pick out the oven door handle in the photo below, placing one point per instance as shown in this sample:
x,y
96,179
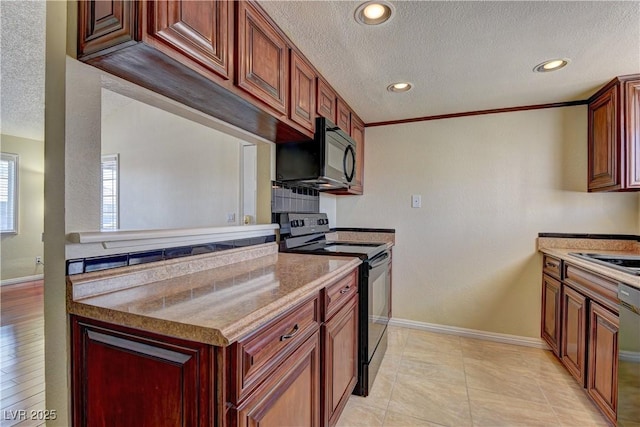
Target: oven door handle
x,y
378,261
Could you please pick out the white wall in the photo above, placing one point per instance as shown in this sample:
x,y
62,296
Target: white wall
x,y
18,251
174,172
56,325
489,185
328,206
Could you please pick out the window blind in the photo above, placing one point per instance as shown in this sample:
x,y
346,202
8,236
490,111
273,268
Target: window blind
x,y
109,214
8,193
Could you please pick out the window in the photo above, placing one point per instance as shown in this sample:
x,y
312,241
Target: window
x,y
9,193
109,212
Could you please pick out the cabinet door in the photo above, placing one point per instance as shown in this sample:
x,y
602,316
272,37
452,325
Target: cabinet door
x,y
574,320
263,57
104,24
122,379
340,360
198,30
303,93
326,101
602,371
343,116
632,131
291,395
604,149
357,133
551,303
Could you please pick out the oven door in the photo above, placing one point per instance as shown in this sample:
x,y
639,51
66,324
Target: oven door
x,y
378,310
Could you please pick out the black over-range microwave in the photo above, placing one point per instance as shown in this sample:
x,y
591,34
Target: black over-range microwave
x,y
327,162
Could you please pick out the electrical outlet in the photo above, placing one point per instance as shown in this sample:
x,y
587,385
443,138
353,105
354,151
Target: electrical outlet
x,y
416,201
231,217
38,260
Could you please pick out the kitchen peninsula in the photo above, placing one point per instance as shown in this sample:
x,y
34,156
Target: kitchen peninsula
x,y
230,338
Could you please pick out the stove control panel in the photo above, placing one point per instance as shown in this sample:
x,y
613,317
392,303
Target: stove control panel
x,y
308,223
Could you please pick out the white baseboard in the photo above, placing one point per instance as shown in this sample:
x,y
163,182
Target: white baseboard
x,y
470,333
21,280
630,356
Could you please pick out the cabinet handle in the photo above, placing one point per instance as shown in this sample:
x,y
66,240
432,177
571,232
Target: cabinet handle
x,y
290,334
551,265
345,290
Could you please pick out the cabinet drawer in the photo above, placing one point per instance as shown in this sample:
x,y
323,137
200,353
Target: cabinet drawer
x,y
337,294
596,287
258,354
552,266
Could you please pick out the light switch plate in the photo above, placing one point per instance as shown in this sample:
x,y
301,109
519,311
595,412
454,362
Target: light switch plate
x,y
416,201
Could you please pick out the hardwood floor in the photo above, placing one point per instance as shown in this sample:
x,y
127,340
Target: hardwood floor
x,y
21,354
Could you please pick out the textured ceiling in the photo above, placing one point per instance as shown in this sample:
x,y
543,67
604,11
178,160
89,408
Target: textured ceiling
x,y
22,64
463,56
460,56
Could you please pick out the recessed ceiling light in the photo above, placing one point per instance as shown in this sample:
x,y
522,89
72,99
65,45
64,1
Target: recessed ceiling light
x,y
374,12
399,87
551,65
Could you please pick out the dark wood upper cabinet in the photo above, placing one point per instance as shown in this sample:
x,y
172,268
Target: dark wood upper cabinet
x,y
343,116
106,25
614,136
197,30
632,131
263,58
303,92
326,101
227,59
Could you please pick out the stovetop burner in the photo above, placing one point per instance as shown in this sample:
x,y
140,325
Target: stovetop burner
x,y
306,233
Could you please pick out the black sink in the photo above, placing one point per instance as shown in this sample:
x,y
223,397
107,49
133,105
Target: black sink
x,y
627,263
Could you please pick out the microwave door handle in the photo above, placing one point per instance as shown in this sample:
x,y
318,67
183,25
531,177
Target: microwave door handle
x,y
349,174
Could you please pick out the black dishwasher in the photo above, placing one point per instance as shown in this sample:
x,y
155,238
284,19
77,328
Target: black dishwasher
x,y
629,357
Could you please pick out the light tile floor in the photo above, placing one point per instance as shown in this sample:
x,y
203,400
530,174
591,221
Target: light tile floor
x,y
430,379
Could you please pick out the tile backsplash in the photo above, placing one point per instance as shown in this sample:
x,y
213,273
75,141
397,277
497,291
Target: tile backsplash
x,y
287,198
87,265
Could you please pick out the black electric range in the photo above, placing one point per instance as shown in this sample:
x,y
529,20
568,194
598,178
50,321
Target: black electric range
x,y
306,233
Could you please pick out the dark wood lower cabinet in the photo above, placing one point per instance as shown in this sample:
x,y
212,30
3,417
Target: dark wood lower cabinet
x,y
294,370
574,322
290,396
587,333
121,379
340,360
551,304
602,368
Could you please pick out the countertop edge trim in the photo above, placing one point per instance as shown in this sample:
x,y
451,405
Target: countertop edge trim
x,y
601,270
128,235
364,229
591,236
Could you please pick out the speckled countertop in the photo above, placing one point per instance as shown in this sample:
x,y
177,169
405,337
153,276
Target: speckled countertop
x,y
215,298
562,248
